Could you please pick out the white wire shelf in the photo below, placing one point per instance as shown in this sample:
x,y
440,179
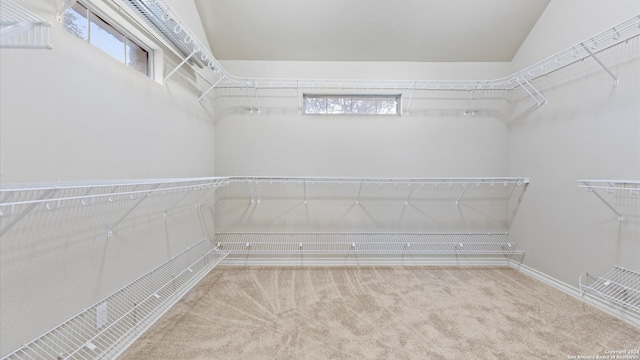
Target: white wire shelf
x,y
18,200
105,329
620,286
612,187
158,18
388,243
21,29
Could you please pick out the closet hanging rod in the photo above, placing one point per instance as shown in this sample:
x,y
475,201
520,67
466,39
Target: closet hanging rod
x,y
168,25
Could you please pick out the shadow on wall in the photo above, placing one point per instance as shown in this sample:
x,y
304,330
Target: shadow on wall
x,y
352,207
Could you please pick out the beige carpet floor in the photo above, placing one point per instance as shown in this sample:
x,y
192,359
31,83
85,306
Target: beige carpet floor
x,y
379,313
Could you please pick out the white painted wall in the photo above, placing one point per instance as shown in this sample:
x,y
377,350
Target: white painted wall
x,y
590,129
435,140
73,113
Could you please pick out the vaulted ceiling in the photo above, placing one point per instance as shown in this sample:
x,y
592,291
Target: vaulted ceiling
x,y
368,30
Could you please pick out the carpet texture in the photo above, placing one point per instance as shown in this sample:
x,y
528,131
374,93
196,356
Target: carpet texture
x,y
379,313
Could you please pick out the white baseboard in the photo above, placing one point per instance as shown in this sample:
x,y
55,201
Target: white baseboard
x,y
623,314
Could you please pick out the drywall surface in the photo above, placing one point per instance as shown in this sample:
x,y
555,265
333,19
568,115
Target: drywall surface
x,y
590,129
343,206
73,113
567,22
435,140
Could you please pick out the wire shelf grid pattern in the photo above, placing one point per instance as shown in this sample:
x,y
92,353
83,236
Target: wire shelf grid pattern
x,y
157,17
367,243
105,329
260,188
18,201
629,189
21,29
620,286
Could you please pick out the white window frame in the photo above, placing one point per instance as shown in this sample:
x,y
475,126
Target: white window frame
x,y
122,24
395,97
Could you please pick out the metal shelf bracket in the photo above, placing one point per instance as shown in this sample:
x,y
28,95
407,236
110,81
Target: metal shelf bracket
x,y
611,186
66,5
616,81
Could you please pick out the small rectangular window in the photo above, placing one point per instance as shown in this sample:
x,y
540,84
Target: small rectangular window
x,y
76,21
136,57
88,26
105,37
351,104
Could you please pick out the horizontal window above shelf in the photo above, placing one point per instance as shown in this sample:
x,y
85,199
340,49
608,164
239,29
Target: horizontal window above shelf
x,y
159,18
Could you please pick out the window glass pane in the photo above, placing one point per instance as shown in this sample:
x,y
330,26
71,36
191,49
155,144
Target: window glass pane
x,y
315,105
364,106
338,105
387,106
136,57
76,22
106,38
378,104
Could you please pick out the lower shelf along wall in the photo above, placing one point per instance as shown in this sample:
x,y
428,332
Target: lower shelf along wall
x,y
336,247
620,286
107,328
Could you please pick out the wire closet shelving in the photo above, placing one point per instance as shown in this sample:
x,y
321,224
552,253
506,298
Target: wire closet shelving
x,y
620,286
354,193
21,29
368,243
612,187
158,18
17,201
106,328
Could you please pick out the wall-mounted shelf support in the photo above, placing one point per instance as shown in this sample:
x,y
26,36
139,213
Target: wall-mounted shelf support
x,y
209,89
529,88
142,199
203,225
184,61
300,186
474,99
17,201
359,192
611,186
66,5
304,192
616,81
411,188
462,193
166,22
47,194
620,286
408,107
255,94
131,310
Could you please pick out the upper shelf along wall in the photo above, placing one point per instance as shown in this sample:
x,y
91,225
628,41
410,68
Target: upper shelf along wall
x,y
157,17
